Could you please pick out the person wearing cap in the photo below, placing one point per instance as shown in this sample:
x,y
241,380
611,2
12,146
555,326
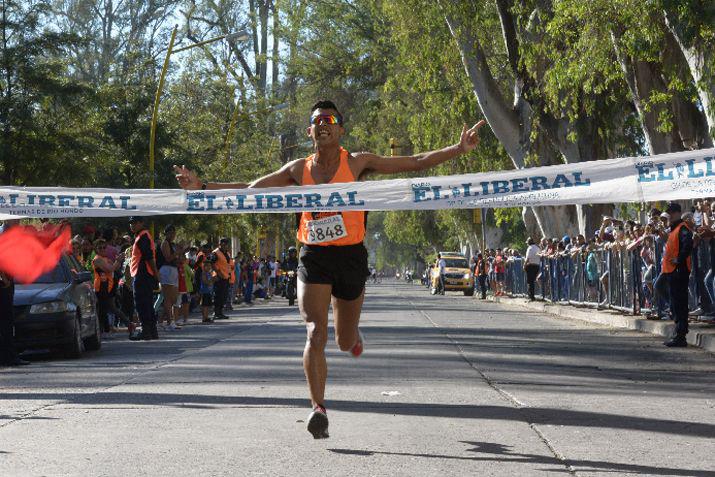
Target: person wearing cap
x,y
145,276
676,267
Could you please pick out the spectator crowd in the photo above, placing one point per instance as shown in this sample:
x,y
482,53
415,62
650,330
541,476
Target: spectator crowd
x,y
206,277
625,264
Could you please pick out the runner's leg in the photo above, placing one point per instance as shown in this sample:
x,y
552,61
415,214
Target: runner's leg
x,y
346,315
313,302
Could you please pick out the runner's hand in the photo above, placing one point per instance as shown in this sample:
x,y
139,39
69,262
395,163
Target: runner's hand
x,y
470,137
187,178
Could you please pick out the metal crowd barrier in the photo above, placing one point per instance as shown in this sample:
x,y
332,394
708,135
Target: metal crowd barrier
x,y
616,279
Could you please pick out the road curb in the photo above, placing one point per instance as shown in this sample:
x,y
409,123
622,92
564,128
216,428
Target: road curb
x,y
700,335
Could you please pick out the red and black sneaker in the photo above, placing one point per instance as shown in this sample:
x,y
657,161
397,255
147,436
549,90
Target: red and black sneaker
x,y
318,422
359,346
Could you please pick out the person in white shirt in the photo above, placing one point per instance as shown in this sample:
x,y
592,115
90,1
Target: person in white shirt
x,y
531,265
442,264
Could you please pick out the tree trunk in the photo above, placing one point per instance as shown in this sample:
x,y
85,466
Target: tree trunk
x,y
701,62
511,124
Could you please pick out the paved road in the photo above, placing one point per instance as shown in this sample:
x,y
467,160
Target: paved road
x,y
447,386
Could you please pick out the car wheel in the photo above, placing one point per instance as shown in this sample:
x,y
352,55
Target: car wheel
x,y
469,292
94,342
75,348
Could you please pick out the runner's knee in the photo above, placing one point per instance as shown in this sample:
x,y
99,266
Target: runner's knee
x,y
317,335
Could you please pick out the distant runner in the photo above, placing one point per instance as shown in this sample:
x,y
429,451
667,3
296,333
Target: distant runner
x,y
333,261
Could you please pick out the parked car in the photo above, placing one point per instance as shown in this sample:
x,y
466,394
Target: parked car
x,y
457,276
58,311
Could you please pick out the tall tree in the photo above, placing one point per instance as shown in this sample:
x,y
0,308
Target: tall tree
x,y
41,130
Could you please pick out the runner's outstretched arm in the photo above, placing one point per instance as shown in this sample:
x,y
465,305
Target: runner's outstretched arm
x,y
468,141
188,180
285,176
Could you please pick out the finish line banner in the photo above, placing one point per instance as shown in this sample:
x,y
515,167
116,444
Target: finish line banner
x,y
676,176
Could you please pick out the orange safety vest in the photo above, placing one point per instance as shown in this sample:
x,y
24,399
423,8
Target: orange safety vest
x,y
100,276
354,220
231,273
137,254
221,264
672,249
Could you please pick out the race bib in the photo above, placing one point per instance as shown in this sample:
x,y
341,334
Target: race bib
x,y
326,229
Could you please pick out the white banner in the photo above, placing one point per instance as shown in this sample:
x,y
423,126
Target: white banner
x,y
676,176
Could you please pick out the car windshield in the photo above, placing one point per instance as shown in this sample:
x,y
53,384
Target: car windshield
x,y
456,262
56,275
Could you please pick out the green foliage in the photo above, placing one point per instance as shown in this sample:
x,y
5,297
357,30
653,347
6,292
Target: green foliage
x,y
77,97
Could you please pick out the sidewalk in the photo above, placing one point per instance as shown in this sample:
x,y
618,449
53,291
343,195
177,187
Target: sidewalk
x,y
701,334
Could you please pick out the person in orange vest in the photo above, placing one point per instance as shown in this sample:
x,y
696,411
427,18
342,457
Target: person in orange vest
x,y
333,260
145,277
677,266
222,270
231,283
104,269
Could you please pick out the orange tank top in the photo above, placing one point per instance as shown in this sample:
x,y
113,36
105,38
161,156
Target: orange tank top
x,y
354,221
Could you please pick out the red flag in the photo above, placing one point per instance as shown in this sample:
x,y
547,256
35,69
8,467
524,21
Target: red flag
x,y
26,253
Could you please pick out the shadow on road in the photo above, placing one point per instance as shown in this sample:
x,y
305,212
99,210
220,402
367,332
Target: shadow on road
x,y
505,455
531,415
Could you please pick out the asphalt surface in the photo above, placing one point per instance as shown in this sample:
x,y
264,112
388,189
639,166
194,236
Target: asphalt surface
x,y
447,386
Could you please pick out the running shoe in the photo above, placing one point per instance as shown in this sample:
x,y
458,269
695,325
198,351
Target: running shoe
x,y
358,347
318,422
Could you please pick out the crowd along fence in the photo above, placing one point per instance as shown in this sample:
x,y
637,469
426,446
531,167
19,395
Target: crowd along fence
x,y
618,279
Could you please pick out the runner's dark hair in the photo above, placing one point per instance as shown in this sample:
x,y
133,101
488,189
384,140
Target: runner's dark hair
x,y
326,104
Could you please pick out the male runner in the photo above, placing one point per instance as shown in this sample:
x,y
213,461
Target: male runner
x,y
333,261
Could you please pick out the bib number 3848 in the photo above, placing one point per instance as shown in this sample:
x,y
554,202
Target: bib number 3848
x,y
326,230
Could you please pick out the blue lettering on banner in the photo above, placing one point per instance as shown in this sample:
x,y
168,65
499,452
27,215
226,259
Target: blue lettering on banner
x,y
64,200
195,201
274,201
241,199
335,199
427,192
293,201
85,201
420,193
124,199
312,200
210,203
352,198
107,203
694,170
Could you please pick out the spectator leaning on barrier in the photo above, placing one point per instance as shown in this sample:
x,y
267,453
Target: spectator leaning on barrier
x,y
531,266
677,266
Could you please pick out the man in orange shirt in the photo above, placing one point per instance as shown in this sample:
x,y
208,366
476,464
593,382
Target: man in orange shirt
x,y
333,260
222,267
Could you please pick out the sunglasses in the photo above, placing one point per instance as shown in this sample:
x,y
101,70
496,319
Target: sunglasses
x,y
326,119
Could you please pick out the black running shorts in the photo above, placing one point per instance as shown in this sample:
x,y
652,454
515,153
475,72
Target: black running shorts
x,y
344,267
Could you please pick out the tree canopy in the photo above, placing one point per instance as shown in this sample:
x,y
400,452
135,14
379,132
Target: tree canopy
x,y
557,80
